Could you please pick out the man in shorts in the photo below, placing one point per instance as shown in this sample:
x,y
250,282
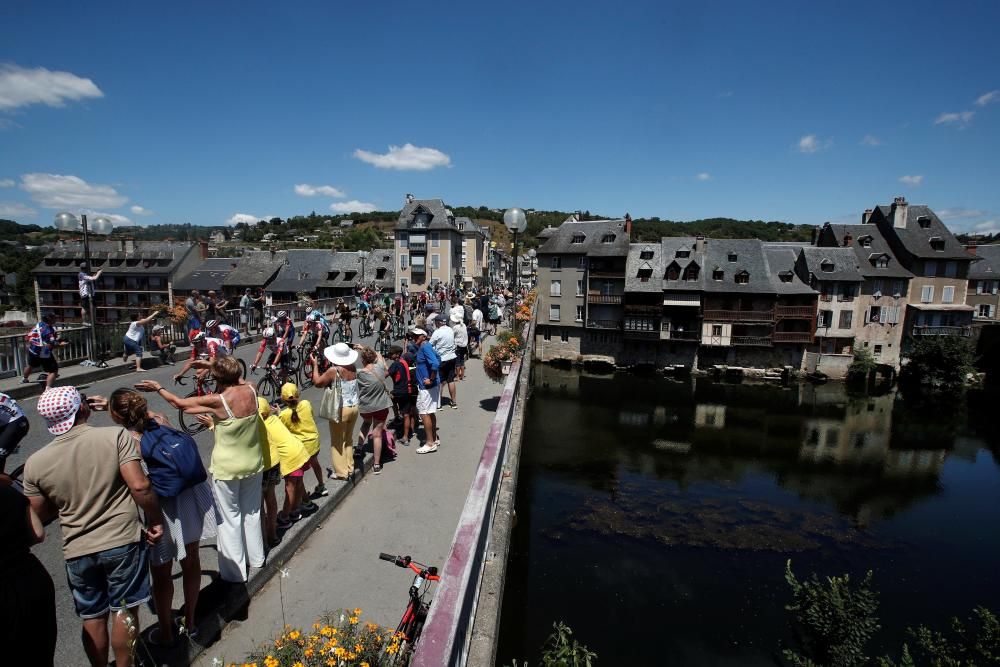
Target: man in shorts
x,y
443,341
85,282
92,479
42,341
428,390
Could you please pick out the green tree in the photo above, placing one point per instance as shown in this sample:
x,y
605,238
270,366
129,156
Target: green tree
x,y
939,362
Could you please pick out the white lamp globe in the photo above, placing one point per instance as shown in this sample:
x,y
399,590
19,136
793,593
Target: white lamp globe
x,y
515,220
66,222
101,225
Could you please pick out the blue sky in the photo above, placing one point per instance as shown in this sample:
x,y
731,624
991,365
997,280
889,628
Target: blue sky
x,y
202,112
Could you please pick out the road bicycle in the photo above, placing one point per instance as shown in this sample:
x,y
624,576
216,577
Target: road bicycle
x,y
383,342
415,615
341,334
269,386
365,327
398,327
203,386
305,369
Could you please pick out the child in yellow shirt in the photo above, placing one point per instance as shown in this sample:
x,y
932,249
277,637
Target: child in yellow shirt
x,y
292,458
298,418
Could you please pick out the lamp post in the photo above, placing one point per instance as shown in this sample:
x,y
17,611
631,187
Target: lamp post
x,y
516,222
362,256
102,225
531,265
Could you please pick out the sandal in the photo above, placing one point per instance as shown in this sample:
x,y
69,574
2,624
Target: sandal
x,y
377,468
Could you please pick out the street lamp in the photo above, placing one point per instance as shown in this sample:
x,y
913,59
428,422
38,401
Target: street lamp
x,y
362,256
531,265
516,222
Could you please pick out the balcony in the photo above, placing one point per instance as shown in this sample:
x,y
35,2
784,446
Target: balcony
x,y
963,331
606,299
417,247
753,341
792,337
673,334
642,309
739,315
795,312
604,324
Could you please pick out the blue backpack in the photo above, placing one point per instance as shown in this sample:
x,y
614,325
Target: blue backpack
x,y
172,460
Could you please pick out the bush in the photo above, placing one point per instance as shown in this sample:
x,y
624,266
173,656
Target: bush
x,y
863,364
561,650
941,362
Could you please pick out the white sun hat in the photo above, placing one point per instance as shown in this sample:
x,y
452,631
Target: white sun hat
x,y
341,354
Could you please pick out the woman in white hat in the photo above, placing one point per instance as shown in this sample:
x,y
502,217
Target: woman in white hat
x,y
344,372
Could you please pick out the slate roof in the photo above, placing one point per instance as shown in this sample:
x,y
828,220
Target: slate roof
x,y
844,260
781,258
302,271
988,265
255,268
441,217
834,234
668,255
749,258
561,241
208,274
469,227
156,257
634,263
306,270
916,239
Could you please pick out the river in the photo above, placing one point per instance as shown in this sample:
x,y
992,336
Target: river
x,y
655,516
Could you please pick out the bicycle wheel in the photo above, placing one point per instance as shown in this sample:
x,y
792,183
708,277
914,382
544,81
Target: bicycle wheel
x,y
306,372
188,422
243,369
268,388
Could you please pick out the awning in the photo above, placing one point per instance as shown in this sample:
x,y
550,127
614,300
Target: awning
x,y
942,306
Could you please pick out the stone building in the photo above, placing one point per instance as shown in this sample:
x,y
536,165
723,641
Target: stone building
x,y
430,244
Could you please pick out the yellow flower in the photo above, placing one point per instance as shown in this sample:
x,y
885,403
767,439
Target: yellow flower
x,y
359,648
316,626
354,620
294,634
326,631
308,653
357,611
298,664
331,662
340,651
391,649
270,661
371,627
364,664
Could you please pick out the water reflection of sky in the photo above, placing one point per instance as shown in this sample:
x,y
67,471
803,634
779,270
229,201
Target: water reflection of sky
x,y
683,500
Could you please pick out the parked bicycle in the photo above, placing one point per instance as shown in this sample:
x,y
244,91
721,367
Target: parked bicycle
x,y
203,386
415,615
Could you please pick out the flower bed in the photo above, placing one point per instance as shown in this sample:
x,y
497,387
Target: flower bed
x,y
510,346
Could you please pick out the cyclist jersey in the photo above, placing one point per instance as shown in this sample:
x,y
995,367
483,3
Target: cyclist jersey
x,y
285,331
274,343
230,335
363,306
9,409
41,339
211,348
320,317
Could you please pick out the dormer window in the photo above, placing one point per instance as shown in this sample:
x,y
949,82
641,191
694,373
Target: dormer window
x,y
865,241
826,266
673,271
349,275
732,257
645,273
718,274
924,221
785,276
608,238
333,275
743,278
579,238
683,253
646,254
937,243
691,272
880,261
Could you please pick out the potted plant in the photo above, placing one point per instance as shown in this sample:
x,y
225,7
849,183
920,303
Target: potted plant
x,y
498,360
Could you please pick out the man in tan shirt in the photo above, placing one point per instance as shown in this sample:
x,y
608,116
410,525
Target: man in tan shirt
x,y
92,478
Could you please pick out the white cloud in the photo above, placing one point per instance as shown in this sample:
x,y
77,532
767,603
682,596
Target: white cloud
x,y
871,140
958,213
913,180
6,183
987,98
810,143
20,87
959,118
237,218
139,210
16,210
703,176
58,191
306,190
353,206
406,157
988,226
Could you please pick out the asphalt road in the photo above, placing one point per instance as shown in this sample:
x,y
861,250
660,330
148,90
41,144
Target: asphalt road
x,y
69,651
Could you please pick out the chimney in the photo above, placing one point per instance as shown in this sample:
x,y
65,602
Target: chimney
x,y
203,249
628,226
699,244
866,216
971,248
899,206
848,240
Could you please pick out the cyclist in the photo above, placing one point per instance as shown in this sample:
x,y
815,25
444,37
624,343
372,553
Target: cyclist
x,y
278,359
227,334
344,312
13,427
284,328
203,348
317,325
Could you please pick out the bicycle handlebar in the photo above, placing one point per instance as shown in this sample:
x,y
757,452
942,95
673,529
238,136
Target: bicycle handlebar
x,y
180,381
429,573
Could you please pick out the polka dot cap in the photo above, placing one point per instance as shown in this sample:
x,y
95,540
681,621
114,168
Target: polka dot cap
x,y
58,407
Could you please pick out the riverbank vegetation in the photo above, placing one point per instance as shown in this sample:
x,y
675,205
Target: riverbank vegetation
x,y
939,363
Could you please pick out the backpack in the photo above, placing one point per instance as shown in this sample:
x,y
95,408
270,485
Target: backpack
x,y
172,459
411,378
494,312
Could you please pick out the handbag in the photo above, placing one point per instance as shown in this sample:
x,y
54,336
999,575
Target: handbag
x,y
332,403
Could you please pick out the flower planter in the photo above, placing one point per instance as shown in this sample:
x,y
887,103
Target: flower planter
x,y
505,367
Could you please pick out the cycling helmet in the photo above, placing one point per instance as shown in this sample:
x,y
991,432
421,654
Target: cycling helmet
x,y
198,337
211,324
282,315
268,332
310,317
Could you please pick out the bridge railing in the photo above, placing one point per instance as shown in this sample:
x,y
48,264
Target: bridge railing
x,y
447,633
